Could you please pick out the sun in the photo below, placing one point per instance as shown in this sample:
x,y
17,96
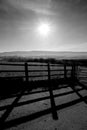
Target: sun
x,y
44,29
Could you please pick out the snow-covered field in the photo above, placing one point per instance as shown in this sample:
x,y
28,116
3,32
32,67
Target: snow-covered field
x,y
70,117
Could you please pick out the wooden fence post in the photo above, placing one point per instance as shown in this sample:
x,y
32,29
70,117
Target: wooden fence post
x,y
26,72
76,72
53,106
65,73
73,73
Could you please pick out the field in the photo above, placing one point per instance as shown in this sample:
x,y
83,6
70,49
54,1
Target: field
x,y
34,93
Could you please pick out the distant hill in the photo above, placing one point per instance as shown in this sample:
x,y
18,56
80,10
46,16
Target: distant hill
x,y
46,54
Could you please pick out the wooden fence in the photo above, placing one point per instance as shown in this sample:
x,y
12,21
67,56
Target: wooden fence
x,y
35,71
40,71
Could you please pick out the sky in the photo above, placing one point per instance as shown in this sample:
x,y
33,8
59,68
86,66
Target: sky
x,y
19,20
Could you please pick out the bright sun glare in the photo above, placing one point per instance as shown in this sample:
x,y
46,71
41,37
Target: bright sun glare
x,y
44,29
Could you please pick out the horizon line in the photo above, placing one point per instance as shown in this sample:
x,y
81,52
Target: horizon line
x,y
41,51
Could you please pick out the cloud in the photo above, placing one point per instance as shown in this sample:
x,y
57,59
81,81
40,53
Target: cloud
x,y
19,8
38,6
9,11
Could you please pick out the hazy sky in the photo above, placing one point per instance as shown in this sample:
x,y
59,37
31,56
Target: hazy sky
x,y
19,20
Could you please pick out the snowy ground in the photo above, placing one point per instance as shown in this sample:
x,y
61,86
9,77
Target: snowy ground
x,y
73,117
